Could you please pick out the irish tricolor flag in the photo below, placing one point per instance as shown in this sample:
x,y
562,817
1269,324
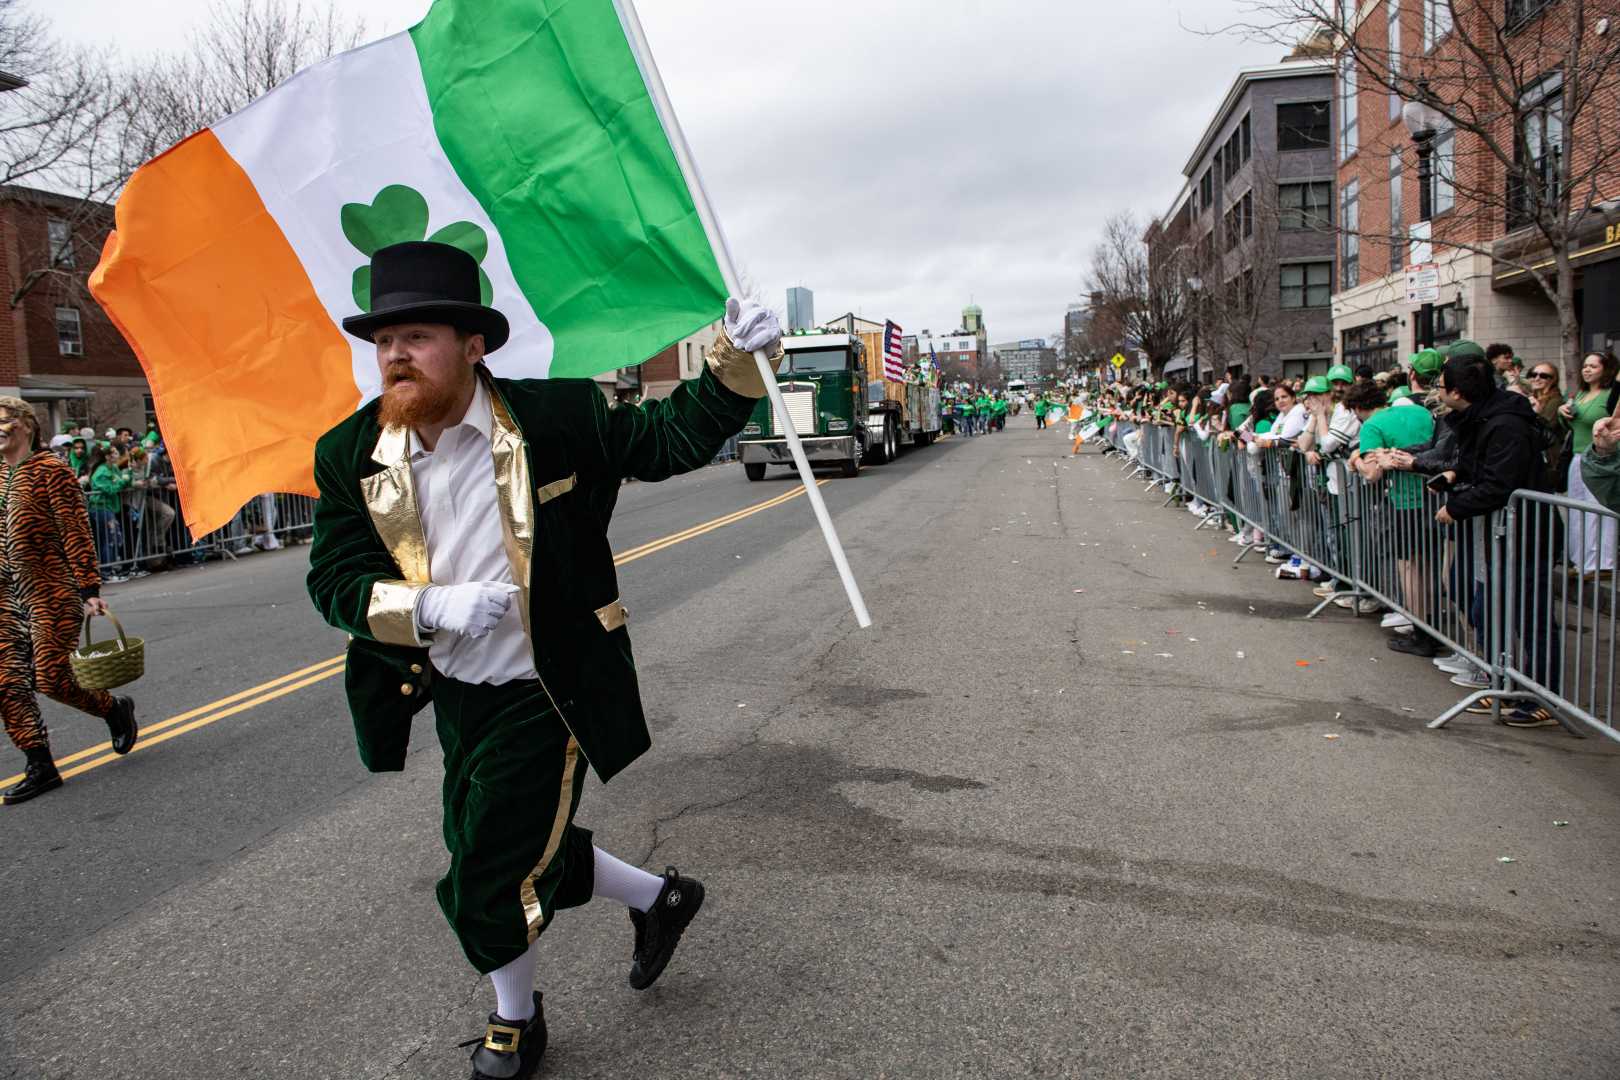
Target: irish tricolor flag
x,y
520,130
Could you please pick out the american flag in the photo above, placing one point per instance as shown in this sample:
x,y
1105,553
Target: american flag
x,y
894,360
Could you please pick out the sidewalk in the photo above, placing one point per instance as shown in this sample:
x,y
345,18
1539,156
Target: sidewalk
x,y
1000,835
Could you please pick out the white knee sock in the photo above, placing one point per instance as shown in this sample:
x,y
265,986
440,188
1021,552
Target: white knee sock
x,y
629,885
514,986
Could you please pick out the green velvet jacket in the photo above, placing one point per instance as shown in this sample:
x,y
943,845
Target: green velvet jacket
x,y
560,455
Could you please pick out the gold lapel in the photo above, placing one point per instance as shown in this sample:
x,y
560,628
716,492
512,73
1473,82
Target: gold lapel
x,y
391,498
512,485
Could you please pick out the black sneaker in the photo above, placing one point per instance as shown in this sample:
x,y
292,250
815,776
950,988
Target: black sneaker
x,y
1417,644
510,1049
1530,716
659,929
121,723
38,778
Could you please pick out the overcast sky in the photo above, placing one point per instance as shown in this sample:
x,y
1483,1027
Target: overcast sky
x,y
899,157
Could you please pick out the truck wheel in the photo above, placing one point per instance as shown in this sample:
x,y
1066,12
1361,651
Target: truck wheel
x,y
891,435
850,467
879,453
754,470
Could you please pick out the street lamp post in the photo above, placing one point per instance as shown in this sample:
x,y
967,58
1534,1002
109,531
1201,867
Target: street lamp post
x,y
1194,284
1423,121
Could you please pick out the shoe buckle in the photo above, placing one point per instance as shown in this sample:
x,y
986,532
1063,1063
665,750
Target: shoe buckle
x,y
502,1039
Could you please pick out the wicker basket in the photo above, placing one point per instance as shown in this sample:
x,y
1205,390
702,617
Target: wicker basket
x,y
103,665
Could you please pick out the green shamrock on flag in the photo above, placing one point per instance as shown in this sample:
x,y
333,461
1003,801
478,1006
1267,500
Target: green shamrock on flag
x,y
396,215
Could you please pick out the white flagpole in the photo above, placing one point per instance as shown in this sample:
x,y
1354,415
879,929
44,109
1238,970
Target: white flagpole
x,y
728,272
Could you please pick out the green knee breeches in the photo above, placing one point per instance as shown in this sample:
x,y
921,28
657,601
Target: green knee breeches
x,y
512,781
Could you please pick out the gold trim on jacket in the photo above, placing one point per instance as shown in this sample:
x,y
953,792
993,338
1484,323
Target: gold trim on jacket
x,y
390,498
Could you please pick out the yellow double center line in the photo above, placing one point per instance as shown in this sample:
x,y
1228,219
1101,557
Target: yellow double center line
x,y
151,735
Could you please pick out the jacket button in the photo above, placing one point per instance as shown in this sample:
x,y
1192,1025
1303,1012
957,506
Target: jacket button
x,y
407,689
416,669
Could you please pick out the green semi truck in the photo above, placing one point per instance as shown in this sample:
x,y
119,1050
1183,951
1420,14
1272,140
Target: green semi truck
x,y
823,381
845,408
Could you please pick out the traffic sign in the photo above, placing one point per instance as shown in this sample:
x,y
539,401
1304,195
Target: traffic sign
x,y
1118,361
1422,283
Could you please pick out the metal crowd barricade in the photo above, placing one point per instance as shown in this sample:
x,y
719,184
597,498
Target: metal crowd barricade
x,y
1527,595
1435,575
1552,613
147,532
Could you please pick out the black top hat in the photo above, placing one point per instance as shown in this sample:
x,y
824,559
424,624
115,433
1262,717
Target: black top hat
x,y
421,281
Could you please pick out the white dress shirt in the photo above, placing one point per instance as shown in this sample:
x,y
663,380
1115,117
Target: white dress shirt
x,y
461,521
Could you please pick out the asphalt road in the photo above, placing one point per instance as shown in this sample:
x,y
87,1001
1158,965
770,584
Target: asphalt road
x,y
1016,829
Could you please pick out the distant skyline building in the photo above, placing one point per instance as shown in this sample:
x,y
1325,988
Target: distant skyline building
x,y
1024,359
801,308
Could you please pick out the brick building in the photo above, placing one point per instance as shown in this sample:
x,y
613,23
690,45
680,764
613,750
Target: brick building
x,y
58,349
1474,204
677,363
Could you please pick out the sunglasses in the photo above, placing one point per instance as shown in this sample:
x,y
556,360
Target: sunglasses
x,y
1541,375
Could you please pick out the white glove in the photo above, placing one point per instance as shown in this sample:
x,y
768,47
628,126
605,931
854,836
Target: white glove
x,y
752,326
471,610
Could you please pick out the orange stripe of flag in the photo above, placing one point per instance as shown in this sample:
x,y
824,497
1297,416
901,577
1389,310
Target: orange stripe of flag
x,y
215,303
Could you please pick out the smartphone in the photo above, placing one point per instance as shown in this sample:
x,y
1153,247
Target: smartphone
x,y
1439,483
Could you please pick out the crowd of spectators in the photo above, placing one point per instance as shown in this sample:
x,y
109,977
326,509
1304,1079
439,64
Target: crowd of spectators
x,y
1446,439
133,505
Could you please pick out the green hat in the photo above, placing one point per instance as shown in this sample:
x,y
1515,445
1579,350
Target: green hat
x,y
1316,384
1340,373
1161,385
1400,392
1427,362
1463,350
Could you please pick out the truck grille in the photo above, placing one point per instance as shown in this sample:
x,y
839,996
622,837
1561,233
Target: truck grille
x,y
801,409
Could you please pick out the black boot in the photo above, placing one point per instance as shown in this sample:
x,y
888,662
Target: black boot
x,y
1416,643
659,929
40,776
121,723
510,1049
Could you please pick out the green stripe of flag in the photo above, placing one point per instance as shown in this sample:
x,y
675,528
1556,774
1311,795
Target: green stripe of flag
x,y
545,117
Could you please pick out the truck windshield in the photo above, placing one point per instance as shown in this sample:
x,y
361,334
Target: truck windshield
x,y
814,360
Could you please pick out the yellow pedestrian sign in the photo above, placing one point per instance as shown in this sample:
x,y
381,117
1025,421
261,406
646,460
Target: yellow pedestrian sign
x,y
1118,361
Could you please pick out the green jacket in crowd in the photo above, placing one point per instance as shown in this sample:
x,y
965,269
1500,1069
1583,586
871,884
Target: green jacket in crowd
x,y
982,406
107,488
1602,476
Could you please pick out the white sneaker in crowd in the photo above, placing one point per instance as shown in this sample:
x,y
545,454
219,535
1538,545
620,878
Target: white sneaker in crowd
x,y
1453,664
1394,620
1472,677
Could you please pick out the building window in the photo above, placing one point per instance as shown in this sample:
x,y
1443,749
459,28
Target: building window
x,y
1303,126
1374,344
1394,57
1306,285
151,412
69,338
1350,223
1206,188
1348,127
59,237
1246,213
1448,325
1244,145
1443,172
1519,11
1397,215
1436,22
1533,185
76,412
1305,206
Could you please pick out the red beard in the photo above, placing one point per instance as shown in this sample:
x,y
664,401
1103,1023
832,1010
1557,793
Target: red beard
x,y
412,400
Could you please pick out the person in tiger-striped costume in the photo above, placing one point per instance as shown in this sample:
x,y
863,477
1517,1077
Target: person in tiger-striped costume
x,y
48,583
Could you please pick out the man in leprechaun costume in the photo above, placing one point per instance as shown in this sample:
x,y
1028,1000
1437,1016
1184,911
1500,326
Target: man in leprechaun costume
x,y
461,538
